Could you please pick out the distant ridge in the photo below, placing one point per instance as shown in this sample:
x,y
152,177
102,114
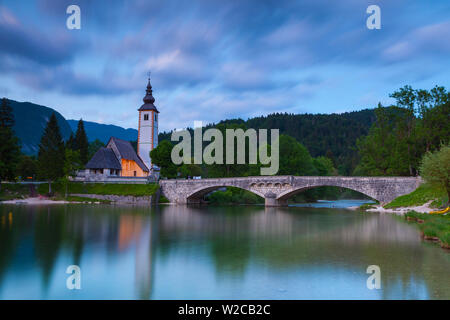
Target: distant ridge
x,y
103,132
30,122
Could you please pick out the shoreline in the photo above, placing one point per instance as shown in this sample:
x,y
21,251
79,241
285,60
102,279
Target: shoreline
x,y
35,201
425,208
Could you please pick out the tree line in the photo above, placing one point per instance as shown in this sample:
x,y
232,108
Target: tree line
x,y
56,158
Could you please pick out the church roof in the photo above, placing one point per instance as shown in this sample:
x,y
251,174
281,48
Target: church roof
x,y
149,100
126,151
104,158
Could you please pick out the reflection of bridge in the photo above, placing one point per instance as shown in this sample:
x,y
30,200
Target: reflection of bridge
x,y
277,189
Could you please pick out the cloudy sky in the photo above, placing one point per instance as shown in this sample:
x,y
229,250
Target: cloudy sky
x,y
213,60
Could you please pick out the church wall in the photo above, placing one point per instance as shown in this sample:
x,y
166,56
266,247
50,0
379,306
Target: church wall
x,y
129,167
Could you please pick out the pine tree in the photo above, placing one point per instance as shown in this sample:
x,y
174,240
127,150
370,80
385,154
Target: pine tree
x,y
6,114
81,143
51,154
70,143
9,143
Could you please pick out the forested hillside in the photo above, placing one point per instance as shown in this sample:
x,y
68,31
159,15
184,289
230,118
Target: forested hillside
x,y
331,135
103,132
30,121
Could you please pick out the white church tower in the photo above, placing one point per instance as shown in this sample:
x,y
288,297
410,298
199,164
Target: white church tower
x,y
148,130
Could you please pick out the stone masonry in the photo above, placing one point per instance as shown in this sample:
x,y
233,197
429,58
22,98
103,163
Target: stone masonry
x,y
277,189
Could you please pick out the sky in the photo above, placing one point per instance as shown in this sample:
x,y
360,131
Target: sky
x,y
214,60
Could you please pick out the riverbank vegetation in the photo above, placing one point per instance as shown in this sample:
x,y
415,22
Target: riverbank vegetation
x,y
432,227
420,196
10,191
233,196
403,134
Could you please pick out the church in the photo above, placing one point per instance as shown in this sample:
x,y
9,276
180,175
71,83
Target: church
x,y
119,159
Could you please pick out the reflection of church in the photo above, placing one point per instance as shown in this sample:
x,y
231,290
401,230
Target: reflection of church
x,y
119,159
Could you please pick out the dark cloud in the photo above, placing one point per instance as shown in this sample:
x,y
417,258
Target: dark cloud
x,y
28,42
243,57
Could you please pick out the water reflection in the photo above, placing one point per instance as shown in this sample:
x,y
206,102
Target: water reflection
x,y
180,252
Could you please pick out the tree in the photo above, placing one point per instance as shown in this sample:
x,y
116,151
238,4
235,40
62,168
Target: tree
x,y
324,166
381,152
161,156
72,164
93,147
81,143
70,143
401,135
27,167
435,168
9,143
294,158
51,154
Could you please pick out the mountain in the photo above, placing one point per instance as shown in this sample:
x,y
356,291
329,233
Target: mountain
x,y
103,132
30,122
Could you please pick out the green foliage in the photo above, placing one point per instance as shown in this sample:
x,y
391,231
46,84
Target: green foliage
x,y
401,135
433,225
161,156
9,143
330,135
234,196
324,166
190,170
102,188
93,147
163,199
420,196
72,162
10,191
294,158
27,167
435,168
366,206
81,144
51,152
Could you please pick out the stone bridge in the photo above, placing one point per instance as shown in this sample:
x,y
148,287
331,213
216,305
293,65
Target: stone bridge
x,y
276,190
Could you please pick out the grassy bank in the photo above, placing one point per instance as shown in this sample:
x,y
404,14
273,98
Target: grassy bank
x,y
432,227
10,191
137,190
420,196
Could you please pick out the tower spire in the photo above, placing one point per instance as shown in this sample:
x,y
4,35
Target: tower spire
x,y
149,92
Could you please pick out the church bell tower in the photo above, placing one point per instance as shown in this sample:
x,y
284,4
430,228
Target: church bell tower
x,y
148,129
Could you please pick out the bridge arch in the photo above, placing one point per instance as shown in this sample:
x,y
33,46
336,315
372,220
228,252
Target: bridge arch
x,y
285,195
197,194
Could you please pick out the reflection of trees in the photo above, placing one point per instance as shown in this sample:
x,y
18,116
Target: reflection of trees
x,y
233,237
289,238
48,236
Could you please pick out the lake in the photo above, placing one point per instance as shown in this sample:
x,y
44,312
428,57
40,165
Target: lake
x,y
318,251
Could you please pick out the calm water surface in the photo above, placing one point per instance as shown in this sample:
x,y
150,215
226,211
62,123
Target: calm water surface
x,y
240,252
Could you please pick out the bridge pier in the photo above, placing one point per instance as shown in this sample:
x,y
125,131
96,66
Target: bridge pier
x,y
272,201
